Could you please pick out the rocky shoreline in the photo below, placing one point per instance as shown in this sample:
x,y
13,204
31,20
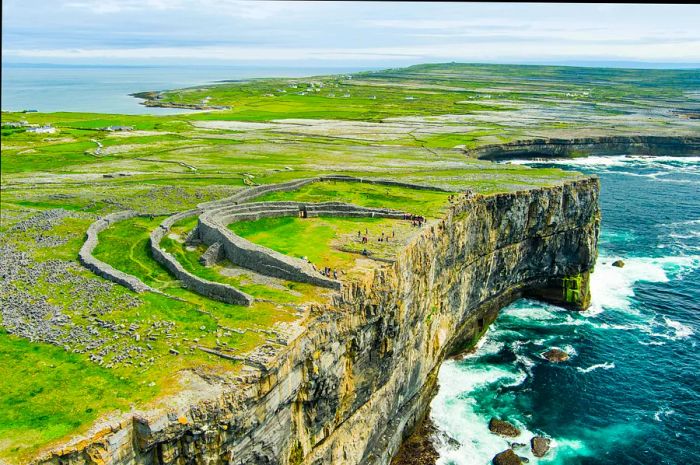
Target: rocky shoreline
x,y
153,99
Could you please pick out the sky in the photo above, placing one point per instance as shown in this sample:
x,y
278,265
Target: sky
x,y
344,33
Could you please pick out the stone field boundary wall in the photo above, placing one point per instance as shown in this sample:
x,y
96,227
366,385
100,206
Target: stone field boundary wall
x,y
246,195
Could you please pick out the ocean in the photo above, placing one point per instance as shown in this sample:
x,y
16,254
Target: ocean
x,y
106,89
630,393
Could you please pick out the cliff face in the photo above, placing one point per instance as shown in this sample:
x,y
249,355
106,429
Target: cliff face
x,y
363,373
612,145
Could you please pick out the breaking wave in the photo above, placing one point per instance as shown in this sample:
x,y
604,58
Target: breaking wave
x,y
602,366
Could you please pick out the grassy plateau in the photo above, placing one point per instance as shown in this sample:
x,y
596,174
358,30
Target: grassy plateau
x,y
76,348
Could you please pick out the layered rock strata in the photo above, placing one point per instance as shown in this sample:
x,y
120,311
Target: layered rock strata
x,y
347,389
612,145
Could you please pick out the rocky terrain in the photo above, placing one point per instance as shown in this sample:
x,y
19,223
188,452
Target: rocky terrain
x,y
99,279
339,393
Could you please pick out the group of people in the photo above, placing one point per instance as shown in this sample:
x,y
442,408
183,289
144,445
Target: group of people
x,y
328,272
416,220
382,238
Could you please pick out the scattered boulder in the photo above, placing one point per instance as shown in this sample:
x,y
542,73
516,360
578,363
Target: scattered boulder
x,y
507,457
503,428
540,445
618,263
555,355
517,445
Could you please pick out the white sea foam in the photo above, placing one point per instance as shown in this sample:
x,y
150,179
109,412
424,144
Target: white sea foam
x,y
613,288
617,160
663,412
652,343
487,345
682,223
665,164
569,349
621,327
531,311
681,236
602,366
681,331
454,413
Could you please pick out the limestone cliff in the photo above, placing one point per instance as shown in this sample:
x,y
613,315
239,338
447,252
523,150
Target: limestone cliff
x,y
610,145
347,389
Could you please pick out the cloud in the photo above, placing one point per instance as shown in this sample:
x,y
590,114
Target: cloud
x,y
689,51
102,7
230,30
245,9
533,30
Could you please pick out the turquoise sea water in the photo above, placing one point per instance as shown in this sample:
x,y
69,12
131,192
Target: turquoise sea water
x,y
630,393
106,89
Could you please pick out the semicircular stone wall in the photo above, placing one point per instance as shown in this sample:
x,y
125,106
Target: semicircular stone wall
x,y
212,229
100,268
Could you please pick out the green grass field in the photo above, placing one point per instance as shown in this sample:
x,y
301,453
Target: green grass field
x,y
419,202
413,124
327,242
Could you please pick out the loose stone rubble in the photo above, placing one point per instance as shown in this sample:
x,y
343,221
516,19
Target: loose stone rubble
x,y
35,316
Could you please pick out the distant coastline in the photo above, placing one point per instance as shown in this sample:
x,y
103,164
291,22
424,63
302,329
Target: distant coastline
x,y
110,88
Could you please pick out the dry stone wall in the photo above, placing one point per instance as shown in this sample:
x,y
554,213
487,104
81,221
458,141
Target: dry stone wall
x,y
212,255
246,195
210,289
101,268
213,228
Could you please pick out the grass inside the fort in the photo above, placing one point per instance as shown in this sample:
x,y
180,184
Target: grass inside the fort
x,y
276,290
125,246
327,242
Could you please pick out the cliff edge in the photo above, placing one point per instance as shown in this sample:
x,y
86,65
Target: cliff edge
x,y
348,388
679,146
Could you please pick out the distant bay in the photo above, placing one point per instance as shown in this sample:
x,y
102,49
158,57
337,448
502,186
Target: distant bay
x,y
106,88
